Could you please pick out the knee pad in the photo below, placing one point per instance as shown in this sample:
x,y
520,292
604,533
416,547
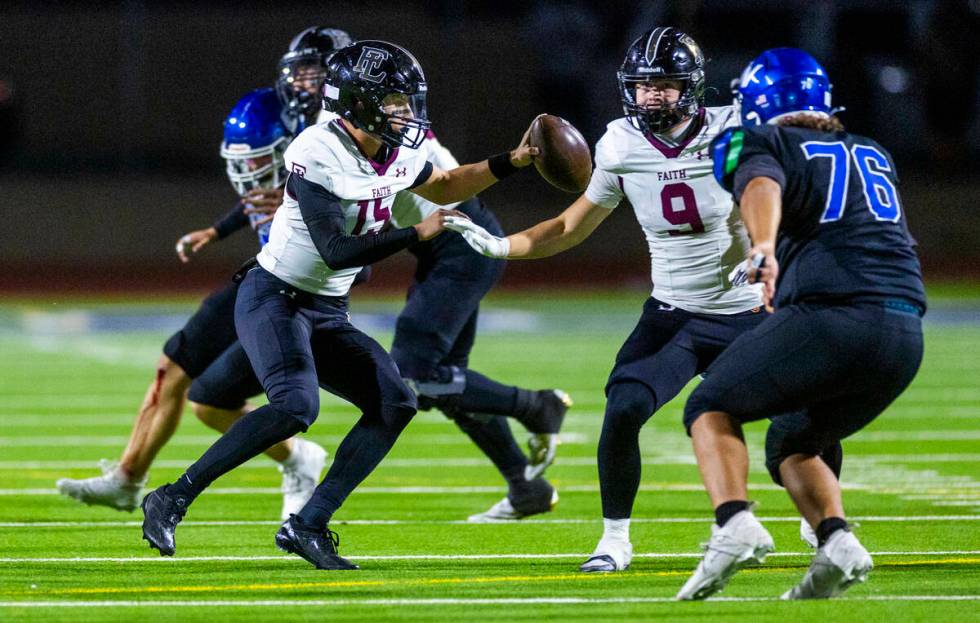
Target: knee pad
x,y
833,456
700,401
203,394
788,435
303,406
398,416
630,404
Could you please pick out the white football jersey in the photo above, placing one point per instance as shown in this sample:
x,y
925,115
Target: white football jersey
x,y
410,209
692,226
327,155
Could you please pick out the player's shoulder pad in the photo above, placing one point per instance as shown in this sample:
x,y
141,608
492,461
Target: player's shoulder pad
x,y
611,148
437,153
870,142
313,156
731,147
721,117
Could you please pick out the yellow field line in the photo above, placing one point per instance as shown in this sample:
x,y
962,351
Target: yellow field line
x,y
569,577
348,583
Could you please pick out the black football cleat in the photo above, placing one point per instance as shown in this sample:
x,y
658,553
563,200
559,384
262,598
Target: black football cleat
x,y
161,514
318,547
542,411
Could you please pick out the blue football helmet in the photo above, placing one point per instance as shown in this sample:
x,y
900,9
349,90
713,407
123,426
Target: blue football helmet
x,y
782,81
254,131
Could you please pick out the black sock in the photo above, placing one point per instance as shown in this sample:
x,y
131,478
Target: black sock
x,y
483,395
357,456
496,441
828,527
727,510
249,436
628,406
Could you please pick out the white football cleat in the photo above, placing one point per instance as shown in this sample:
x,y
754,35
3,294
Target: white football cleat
x,y
302,475
807,534
610,555
741,542
504,510
111,489
542,449
841,562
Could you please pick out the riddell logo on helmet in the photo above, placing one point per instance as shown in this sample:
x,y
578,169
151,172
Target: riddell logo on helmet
x,y
369,63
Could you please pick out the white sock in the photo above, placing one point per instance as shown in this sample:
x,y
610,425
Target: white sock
x,y
616,529
290,460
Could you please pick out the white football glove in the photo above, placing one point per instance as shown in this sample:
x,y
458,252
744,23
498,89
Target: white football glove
x,y
740,274
481,240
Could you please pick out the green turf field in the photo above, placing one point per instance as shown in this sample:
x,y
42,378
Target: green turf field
x,y
70,382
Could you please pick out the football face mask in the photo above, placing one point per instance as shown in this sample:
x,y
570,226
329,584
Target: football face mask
x,y
657,104
249,169
406,122
255,141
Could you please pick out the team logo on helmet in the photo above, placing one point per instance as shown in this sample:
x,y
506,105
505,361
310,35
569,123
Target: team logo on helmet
x,y
692,44
370,62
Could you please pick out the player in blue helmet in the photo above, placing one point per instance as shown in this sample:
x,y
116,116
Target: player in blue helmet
x,y
782,82
253,146
657,156
253,131
831,245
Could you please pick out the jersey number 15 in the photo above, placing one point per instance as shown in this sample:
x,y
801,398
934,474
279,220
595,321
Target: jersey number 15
x,y
879,192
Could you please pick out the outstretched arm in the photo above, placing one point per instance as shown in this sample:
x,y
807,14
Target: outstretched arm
x,y
546,238
444,187
558,234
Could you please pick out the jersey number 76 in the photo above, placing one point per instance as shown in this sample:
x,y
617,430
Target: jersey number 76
x,y
879,192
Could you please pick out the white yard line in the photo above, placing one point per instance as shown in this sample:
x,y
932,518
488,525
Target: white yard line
x,y
884,488
177,559
447,601
446,522
481,462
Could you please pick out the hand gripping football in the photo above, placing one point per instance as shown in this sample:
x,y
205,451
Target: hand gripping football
x,y
565,161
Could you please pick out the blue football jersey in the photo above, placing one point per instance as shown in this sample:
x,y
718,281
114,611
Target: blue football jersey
x,y
843,235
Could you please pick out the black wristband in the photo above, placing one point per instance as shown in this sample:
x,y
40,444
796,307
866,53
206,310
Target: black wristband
x,y
501,166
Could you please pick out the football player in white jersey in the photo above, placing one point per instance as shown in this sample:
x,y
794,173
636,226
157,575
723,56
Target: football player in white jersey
x,y
435,331
291,313
657,156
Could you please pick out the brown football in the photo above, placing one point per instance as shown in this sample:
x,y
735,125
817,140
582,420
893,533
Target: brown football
x,y
565,161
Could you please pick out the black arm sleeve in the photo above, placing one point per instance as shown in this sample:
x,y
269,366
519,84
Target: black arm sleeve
x,y
423,175
231,222
324,218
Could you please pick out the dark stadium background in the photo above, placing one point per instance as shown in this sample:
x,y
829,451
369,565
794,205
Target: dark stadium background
x,y
111,112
